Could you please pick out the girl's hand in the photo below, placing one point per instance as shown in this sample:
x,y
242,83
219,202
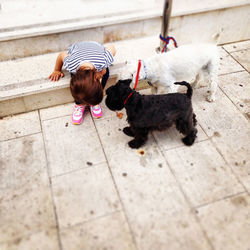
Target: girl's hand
x,y
56,75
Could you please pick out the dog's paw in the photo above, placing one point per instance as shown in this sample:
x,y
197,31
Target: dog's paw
x,y
134,144
211,98
128,131
188,141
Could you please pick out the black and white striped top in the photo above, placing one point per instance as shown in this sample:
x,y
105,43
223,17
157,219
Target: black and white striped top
x,y
93,52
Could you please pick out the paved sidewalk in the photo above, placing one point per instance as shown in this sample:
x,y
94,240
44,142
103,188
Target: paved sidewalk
x,y
72,187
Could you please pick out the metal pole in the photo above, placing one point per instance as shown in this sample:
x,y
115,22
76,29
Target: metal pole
x,y
165,20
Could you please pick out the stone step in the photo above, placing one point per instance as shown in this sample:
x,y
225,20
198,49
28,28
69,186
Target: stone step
x,y
43,30
25,85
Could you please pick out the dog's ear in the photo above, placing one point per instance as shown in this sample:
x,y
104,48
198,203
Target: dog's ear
x,y
126,81
108,90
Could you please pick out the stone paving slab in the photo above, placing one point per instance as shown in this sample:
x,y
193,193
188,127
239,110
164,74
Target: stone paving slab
x,y
173,138
232,47
229,131
41,240
26,202
20,125
243,58
227,222
202,173
83,148
227,64
80,196
57,111
236,86
107,232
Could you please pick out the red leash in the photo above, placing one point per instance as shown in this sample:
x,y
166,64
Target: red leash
x,y
138,72
166,41
136,80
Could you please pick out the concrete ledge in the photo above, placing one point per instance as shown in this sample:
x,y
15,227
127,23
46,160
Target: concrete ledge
x,y
30,75
52,97
227,17
75,25
230,23
27,87
193,7
35,101
33,28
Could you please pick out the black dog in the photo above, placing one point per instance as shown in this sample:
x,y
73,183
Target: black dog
x,y
153,112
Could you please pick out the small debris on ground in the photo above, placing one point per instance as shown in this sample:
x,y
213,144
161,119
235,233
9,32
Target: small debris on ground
x,y
119,115
217,134
141,152
67,124
89,163
124,174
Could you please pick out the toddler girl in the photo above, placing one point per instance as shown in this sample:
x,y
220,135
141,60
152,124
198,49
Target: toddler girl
x,y
88,64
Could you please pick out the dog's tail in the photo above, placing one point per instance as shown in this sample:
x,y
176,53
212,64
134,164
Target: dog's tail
x,y
189,88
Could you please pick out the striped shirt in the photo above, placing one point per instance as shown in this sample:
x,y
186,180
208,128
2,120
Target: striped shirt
x,y
92,52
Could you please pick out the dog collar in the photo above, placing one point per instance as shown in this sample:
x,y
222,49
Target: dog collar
x,y
146,74
150,83
128,98
136,81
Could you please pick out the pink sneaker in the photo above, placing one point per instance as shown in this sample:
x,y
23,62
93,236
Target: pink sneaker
x,y
96,111
77,115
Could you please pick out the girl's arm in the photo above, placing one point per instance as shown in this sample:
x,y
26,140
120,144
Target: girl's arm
x,y
111,48
57,73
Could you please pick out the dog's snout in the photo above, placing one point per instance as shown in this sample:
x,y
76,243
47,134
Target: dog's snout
x,y
107,91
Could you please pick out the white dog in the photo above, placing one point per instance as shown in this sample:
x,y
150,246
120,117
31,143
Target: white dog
x,y
192,63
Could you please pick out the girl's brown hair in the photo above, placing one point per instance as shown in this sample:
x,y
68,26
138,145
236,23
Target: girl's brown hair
x,y
86,88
